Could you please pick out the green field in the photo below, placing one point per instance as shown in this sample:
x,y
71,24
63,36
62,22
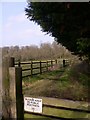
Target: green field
x,y
57,84
59,87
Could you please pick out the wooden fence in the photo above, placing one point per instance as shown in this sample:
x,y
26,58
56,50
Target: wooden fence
x,y
12,96
38,67
12,102
65,109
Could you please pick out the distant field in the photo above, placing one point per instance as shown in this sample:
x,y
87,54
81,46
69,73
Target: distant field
x,y
67,83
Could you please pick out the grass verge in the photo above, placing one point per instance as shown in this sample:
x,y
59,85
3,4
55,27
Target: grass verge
x,y
67,83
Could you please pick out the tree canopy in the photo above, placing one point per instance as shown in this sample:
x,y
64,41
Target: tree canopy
x,y
68,22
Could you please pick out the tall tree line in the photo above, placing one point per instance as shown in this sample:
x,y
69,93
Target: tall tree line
x,y
43,52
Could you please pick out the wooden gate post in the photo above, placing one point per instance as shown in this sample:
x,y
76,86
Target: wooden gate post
x,y
6,63
17,104
0,84
12,107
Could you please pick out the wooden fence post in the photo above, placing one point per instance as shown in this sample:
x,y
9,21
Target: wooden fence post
x,y
31,68
6,106
63,63
12,99
19,64
0,83
56,62
17,105
51,63
47,65
40,67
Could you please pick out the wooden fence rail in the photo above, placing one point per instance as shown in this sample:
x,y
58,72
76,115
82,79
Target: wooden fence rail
x,y
38,67
13,103
12,96
49,116
35,67
59,108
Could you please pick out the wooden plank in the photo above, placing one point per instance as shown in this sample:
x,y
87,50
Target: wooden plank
x,y
6,105
66,108
42,64
26,69
26,62
43,61
16,96
36,67
50,116
36,62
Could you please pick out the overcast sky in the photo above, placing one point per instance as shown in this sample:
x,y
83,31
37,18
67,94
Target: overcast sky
x,y
17,29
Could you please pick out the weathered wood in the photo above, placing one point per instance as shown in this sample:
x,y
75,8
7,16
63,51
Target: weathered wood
x,y
40,67
47,65
12,98
11,62
63,63
31,68
56,62
17,109
19,64
6,63
0,83
51,63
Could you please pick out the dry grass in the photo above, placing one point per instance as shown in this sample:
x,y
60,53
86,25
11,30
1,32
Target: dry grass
x,y
69,83
58,88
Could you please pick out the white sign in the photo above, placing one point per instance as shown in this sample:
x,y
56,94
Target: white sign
x,y
33,104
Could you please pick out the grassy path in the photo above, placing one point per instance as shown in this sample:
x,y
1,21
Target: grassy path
x,y
58,88
56,84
